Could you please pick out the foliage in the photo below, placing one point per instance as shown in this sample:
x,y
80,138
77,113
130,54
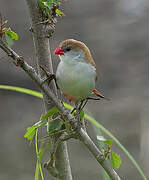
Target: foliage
x,y
7,32
108,153
49,8
115,160
30,132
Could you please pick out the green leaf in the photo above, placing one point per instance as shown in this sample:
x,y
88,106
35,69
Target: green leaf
x,y
38,124
67,126
30,132
51,112
12,34
41,5
48,4
106,141
8,40
45,6
115,160
54,126
57,2
60,13
81,114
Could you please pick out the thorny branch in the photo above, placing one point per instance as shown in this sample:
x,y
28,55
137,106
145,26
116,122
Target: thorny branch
x,y
81,134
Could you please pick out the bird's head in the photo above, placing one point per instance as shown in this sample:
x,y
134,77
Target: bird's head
x,y
73,50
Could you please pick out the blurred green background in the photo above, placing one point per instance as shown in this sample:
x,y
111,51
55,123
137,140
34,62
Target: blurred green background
x,y
117,32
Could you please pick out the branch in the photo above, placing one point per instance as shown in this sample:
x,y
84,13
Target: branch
x,y
83,136
41,43
42,49
50,164
86,140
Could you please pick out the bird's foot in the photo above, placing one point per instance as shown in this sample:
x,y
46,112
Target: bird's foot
x,y
49,76
48,79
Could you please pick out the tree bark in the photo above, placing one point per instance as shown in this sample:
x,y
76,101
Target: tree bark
x,y
42,50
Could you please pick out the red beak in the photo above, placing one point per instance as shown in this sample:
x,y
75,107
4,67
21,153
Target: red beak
x,y
58,51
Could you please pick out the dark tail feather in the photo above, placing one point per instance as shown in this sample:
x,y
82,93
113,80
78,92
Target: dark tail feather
x,y
96,92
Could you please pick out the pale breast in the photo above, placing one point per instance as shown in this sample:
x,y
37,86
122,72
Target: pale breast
x,y
77,79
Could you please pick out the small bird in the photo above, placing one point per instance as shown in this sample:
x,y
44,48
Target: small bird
x,y
76,73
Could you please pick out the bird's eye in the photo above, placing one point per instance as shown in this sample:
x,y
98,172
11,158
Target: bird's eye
x,y
68,49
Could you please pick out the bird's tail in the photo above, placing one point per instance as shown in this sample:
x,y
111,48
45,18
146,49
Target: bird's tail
x,y
98,94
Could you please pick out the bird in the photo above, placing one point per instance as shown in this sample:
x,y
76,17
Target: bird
x,y
76,72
